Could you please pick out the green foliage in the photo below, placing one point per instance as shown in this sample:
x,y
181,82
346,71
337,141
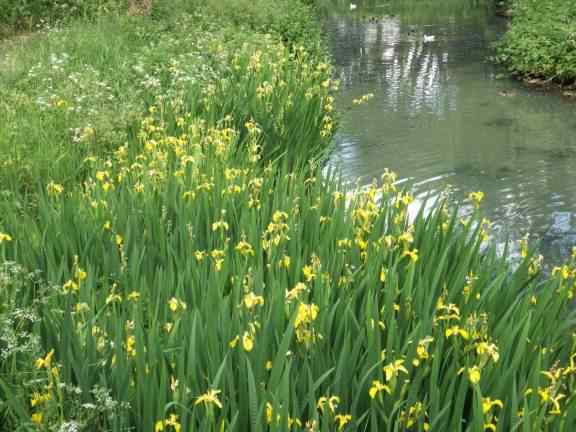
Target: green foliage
x,y
541,41
25,14
173,258
294,21
182,265
80,90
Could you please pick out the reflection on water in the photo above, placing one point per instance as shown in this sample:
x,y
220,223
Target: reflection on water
x,y
439,115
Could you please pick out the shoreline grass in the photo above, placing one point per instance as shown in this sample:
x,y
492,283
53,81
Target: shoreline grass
x,y
197,270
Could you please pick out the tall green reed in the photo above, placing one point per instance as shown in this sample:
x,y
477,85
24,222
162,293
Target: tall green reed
x,y
183,266
202,274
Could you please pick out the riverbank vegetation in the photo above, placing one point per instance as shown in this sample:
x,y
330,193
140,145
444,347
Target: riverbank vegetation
x,y
175,257
540,44
29,15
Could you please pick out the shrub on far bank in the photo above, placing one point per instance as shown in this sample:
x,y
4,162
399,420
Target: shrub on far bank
x,y
541,41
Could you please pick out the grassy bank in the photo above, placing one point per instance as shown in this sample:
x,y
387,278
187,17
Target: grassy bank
x,y
174,259
29,15
81,90
541,42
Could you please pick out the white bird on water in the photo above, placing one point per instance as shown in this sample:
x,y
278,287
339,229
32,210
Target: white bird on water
x,y
429,38
352,6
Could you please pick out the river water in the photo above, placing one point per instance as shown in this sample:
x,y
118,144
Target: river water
x,y
442,115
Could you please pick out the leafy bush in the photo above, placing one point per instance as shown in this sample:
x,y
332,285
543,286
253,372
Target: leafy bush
x,y
541,41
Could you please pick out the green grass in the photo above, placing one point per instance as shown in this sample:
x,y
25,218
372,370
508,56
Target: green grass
x,y
204,249
82,90
28,15
540,42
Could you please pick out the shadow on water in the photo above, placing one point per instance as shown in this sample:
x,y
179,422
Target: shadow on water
x,y
441,117
548,154
500,122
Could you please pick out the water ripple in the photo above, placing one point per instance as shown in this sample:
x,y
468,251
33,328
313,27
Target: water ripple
x,y
439,117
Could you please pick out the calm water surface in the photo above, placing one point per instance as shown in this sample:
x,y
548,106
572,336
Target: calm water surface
x,y
441,116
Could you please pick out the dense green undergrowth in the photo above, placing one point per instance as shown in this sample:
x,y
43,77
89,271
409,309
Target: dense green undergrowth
x,y
28,15
82,89
541,41
174,257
